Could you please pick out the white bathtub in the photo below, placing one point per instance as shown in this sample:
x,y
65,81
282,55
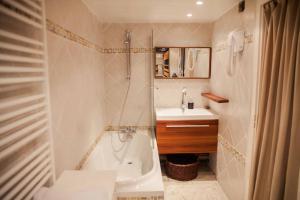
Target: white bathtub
x,y
135,161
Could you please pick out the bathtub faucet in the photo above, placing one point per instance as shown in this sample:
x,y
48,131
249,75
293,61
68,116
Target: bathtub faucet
x,y
128,131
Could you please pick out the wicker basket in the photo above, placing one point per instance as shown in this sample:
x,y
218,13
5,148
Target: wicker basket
x,y
182,167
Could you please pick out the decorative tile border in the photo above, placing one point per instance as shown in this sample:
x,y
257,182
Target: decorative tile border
x,y
238,155
61,31
88,153
221,46
116,128
142,198
124,50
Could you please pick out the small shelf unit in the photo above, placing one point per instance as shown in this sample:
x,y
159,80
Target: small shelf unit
x,y
214,97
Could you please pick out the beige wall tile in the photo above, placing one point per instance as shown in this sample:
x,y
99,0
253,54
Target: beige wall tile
x,y
76,75
167,92
229,162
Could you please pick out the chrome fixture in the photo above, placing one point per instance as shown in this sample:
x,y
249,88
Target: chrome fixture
x,y
183,106
128,132
127,43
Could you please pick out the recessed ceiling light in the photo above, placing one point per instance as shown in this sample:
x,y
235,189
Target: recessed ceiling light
x,y
199,2
189,15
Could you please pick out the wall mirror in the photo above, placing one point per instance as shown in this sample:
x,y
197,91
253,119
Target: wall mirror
x,y
182,62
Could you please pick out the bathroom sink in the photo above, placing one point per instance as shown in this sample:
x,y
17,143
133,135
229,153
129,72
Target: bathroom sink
x,y
187,114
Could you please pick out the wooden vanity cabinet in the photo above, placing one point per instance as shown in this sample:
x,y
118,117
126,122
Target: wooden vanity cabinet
x,y
187,136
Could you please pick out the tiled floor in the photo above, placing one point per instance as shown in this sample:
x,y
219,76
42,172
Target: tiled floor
x,y
204,187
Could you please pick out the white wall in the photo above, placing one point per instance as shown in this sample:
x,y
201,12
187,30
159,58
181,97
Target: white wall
x,y
76,81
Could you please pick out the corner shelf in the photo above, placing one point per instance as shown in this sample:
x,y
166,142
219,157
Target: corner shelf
x,y
214,97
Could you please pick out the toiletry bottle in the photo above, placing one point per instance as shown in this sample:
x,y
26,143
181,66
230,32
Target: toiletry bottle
x,y
190,104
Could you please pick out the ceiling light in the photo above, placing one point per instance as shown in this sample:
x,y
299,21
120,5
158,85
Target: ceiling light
x,y
189,15
199,2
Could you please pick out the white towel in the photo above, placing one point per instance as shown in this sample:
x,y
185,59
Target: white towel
x,y
190,62
175,61
236,45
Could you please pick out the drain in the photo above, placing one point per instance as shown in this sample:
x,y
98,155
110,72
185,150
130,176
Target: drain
x,y
129,163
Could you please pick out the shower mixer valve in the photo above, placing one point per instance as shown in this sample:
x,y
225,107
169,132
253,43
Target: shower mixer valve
x,y
128,132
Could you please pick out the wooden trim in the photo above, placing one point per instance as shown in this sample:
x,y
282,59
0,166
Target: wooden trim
x,y
215,98
210,57
187,136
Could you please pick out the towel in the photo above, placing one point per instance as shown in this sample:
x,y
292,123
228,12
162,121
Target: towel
x,y
190,62
236,45
175,61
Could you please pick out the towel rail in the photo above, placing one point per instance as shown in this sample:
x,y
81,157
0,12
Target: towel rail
x,y
16,146
20,100
20,133
23,59
20,111
17,178
38,186
20,48
22,121
6,81
19,188
24,9
20,38
16,168
19,17
33,5
9,69
32,183
26,153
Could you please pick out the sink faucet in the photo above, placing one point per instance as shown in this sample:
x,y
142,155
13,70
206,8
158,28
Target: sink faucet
x,y
183,106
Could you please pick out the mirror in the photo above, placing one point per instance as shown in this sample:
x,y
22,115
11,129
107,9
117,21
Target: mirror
x,y
182,62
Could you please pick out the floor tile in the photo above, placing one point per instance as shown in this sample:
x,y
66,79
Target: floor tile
x,y
204,187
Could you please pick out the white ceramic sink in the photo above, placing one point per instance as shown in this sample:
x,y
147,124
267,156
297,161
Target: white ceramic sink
x,y
188,114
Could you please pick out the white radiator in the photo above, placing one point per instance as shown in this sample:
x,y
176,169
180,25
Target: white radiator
x,y
26,156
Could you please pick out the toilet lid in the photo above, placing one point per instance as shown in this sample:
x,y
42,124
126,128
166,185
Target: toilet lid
x,y
81,185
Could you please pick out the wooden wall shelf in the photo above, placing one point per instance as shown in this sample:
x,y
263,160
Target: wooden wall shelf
x,y
215,97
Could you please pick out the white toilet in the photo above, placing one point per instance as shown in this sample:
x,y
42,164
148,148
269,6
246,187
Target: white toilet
x,y
80,185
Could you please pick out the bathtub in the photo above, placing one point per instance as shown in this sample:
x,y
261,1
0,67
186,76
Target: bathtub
x,y
136,162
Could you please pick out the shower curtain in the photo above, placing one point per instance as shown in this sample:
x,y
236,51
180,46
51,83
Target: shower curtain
x,y
276,156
